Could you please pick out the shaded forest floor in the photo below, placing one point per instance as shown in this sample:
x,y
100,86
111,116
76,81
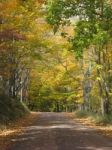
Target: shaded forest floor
x,y
14,129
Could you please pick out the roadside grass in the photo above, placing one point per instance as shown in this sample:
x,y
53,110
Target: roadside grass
x,y
98,119
103,120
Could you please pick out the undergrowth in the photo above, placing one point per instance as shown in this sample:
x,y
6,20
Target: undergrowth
x,y
11,109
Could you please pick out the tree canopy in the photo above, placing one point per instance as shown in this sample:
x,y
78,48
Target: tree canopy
x,y
56,55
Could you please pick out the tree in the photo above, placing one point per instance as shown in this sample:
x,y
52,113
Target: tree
x,y
18,27
93,28
55,78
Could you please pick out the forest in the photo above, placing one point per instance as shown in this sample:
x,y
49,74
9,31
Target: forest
x,y
55,56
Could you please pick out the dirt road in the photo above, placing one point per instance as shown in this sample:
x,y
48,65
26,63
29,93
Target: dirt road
x,y
56,131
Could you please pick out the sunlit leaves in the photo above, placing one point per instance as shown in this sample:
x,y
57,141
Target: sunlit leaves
x,y
90,21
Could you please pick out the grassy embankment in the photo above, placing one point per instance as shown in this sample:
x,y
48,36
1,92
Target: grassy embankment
x,y
11,110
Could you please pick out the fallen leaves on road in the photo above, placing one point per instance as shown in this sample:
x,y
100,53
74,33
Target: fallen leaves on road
x,y
105,130
14,128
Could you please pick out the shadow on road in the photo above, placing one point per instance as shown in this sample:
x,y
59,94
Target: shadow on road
x,y
55,131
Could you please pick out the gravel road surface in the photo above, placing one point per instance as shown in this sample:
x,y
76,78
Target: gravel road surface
x,y
56,131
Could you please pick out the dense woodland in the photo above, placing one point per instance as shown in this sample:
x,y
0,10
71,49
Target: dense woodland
x,y
56,55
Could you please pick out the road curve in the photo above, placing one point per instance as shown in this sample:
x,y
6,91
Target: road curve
x,y
56,131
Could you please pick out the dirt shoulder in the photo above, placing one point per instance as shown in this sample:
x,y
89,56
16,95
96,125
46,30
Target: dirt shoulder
x,y
14,128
